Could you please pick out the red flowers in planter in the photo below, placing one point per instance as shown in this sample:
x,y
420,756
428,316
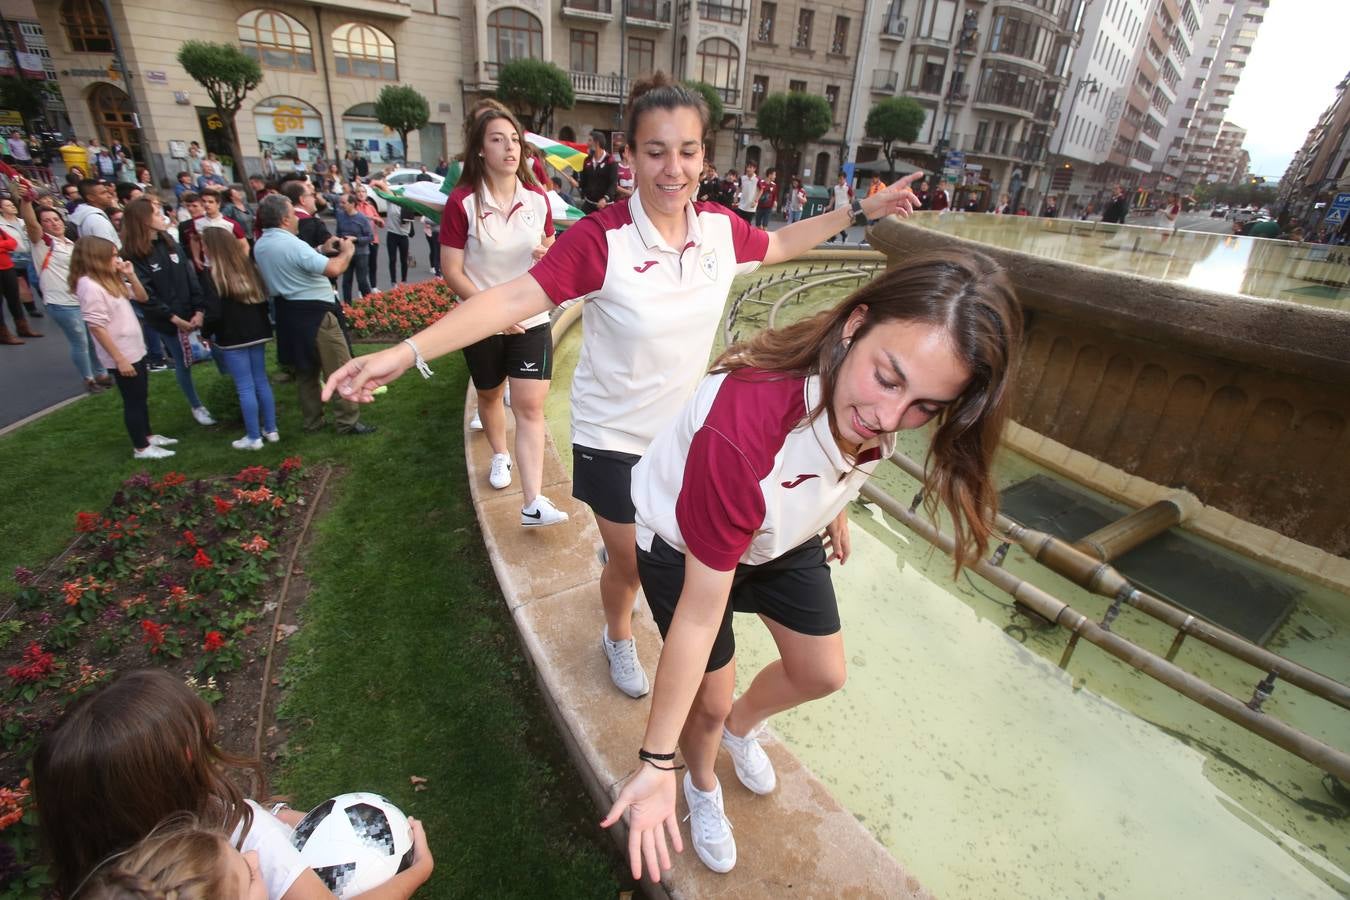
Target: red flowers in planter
x,y
152,635
201,560
214,641
223,506
87,522
36,665
189,538
12,803
256,545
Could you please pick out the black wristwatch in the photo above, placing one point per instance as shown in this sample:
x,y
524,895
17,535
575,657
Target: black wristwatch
x,y
856,206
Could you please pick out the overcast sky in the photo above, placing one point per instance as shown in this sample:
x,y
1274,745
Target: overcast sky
x,y
1301,53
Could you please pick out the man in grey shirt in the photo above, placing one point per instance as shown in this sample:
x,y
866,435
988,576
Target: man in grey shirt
x,y
311,330
91,216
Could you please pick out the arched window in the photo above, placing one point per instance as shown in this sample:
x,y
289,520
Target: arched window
x,y
86,26
719,64
275,40
364,52
821,174
513,34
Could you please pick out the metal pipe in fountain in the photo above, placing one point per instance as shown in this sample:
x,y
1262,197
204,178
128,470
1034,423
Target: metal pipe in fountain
x,y
1324,756
1103,579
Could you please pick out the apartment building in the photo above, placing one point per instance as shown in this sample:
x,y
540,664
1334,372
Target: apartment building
x,y
324,63
1228,161
1321,168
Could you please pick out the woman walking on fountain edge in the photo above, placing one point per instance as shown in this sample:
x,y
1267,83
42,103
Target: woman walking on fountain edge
x,y
732,497
655,269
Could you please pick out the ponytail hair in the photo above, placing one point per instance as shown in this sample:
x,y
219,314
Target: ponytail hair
x,y
971,299
660,92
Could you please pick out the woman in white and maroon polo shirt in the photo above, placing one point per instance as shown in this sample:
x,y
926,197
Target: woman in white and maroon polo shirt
x,y
656,270
733,494
496,223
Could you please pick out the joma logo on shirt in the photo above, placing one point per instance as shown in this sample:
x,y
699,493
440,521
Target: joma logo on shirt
x,y
645,266
798,480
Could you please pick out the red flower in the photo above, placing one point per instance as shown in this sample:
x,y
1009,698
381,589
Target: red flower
x,y
222,506
253,475
189,538
214,641
36,665
256,545
201,560
172,479
12,803
86,522
152,635
290,463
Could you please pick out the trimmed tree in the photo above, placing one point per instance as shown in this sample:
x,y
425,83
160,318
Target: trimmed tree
x,y
714,100
534,88
403,109
227,74
895,120
790,121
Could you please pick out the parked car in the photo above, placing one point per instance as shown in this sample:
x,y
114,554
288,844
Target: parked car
x,y
1218,212
1242,216
403,176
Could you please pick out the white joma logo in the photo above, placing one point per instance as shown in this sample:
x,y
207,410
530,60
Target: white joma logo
x,y
527,366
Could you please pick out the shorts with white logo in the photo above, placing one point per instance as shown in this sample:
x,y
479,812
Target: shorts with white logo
x,y
793,590
603,480
494,358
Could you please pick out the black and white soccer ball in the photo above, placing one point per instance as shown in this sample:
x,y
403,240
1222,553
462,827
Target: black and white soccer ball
x,y
354,842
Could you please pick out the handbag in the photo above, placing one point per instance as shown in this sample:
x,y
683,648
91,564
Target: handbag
x,y
195,347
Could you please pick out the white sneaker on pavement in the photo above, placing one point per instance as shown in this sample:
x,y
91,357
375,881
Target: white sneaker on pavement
x,y
202,416
541,512
625,669
753,766
152,452
499,476
475,424
159,440
247,443
709,827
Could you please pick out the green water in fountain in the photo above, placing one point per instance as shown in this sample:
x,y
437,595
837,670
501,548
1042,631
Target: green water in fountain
x,y
991,773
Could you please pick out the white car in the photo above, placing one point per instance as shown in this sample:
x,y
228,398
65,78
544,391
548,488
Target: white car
x,y
404,176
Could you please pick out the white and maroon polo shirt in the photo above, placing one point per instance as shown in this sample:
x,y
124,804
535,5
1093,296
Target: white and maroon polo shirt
x,y
498,243
739,477
652,315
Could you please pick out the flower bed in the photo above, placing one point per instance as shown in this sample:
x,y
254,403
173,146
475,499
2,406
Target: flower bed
x,y
175,573
401,311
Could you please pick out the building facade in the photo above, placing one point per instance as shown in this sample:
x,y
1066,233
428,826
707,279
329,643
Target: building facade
x,y
1321,167
324,63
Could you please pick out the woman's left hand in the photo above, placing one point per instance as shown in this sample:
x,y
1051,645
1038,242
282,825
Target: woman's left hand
x,y
898,199
539,251
837,542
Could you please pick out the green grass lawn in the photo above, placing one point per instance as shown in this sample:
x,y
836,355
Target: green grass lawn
x,y
407,662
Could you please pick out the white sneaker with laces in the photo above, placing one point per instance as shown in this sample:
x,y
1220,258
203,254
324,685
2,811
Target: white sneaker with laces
x,y
753,766
202,416
152,452
272,436
159,440
625,669
541,512
709,827
499,476
475,424
247,443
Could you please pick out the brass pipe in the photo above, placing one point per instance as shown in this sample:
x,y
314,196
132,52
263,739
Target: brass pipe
x,y
1102,578
1114,540
1304,746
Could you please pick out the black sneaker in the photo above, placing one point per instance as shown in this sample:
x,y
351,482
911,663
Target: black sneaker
x,y
360,428
160,366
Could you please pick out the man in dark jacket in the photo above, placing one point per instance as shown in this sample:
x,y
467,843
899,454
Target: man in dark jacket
x,y
1116,207
307,203
599,177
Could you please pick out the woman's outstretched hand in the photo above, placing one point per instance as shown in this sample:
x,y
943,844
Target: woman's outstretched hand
x,y
898,199
649,799
358,379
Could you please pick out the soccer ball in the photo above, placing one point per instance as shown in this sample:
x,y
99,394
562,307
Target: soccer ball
x,y
354,842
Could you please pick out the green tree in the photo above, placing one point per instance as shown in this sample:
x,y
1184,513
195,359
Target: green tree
x,y
714,100
23,95
403,109
894,120
227,74
790,121
534,88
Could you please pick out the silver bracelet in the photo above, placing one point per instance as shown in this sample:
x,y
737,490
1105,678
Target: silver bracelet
x,y
422,368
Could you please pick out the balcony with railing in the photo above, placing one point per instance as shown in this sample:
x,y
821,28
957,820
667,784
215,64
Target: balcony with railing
x,y
594,86
958,92
729,13
884,81
968,43
647,13
591,10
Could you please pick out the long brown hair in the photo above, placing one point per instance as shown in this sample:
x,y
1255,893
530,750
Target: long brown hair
x,y
475,171
123,758
232,272
138,234
968,296
93,258
179,860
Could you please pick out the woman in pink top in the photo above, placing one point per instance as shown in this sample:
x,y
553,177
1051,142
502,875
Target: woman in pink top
x,y
100,279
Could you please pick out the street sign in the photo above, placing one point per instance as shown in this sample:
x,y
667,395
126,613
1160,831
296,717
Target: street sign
x,y
956,159
1339,212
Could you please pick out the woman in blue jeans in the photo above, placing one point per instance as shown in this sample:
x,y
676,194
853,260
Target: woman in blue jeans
x,y
236,320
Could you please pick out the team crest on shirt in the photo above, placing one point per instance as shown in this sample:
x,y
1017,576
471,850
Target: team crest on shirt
x,y
708,263
173,257
529,218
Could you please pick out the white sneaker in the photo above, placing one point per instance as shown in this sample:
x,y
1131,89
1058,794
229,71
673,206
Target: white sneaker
x,y
506,394
475,424
202,416
500,474
247,443
159,440
541,512
625,669
152,452
709,827
272,436
752,764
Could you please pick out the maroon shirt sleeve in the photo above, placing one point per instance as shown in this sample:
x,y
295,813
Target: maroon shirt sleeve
x,y
751,244
575,265
455,221
238,230
721,504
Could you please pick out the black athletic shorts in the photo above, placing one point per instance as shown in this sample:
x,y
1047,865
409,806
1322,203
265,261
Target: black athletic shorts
x,y
793,590
494,358
603,479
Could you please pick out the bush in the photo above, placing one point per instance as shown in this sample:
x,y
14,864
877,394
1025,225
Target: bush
x,y
401,311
